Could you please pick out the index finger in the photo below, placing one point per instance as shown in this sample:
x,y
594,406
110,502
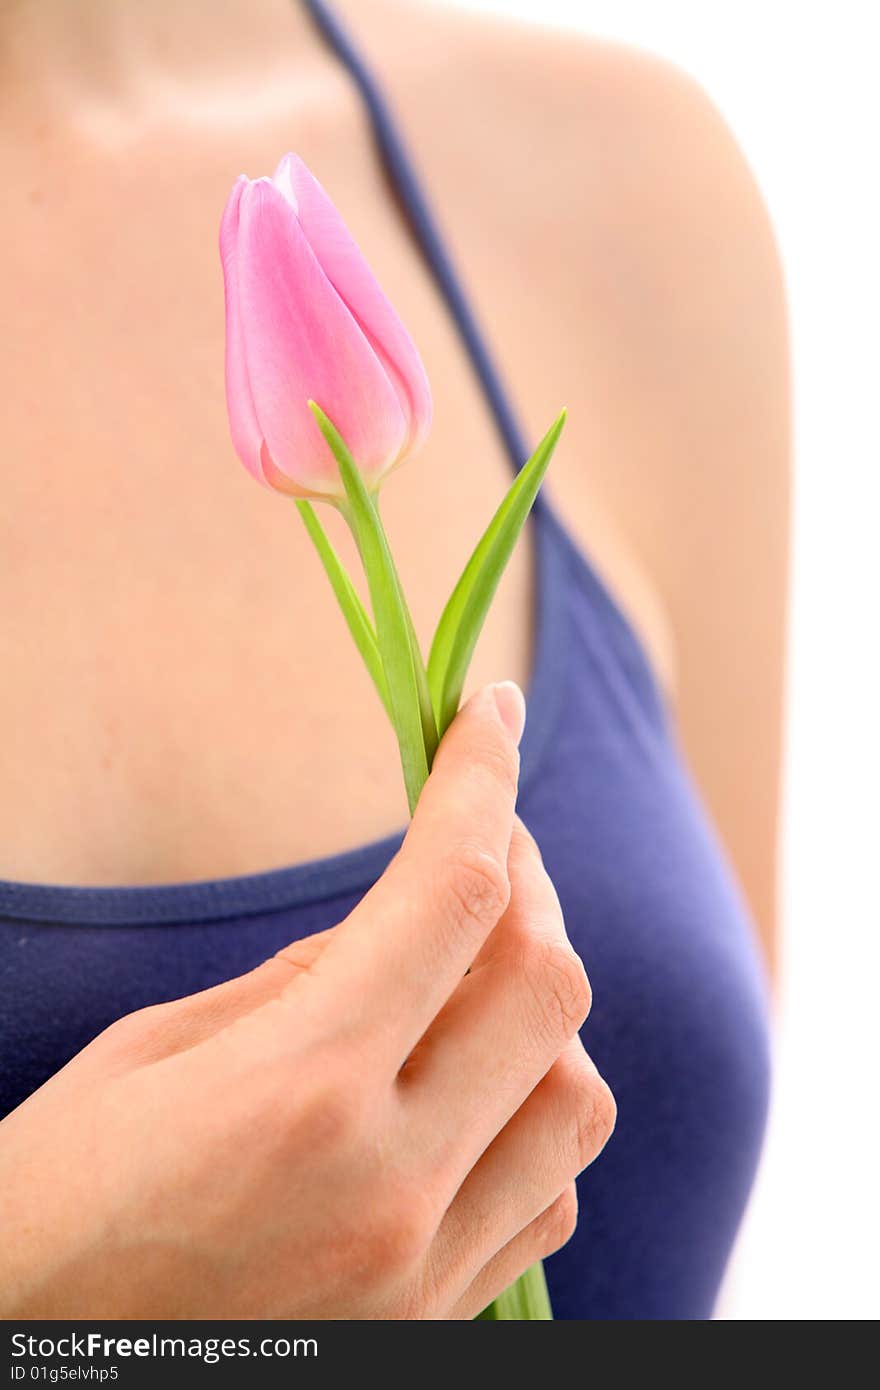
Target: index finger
x,y
406,946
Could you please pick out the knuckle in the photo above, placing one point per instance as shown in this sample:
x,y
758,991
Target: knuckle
x,y
475,889
397,1241
333,1121
335,1115
411,1232
524,849
125,1030
557,1224
300,954
593,1110
604,1113
153,1030
560,982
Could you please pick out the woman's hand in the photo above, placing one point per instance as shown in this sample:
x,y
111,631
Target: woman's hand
x,y
359,1128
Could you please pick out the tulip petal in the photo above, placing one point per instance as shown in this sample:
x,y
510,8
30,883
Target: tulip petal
x,y
301,342
346,269
247,436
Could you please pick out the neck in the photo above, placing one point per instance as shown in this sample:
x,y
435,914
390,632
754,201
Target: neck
x,y
56,52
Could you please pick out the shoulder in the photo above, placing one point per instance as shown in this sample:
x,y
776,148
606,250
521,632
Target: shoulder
x,y
623,260
593,194
560,124
619,250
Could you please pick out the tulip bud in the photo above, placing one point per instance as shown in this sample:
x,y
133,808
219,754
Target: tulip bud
x,y
307,320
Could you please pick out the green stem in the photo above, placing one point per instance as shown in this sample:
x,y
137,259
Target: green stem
x,y
430,733
395,661
393,625
358,623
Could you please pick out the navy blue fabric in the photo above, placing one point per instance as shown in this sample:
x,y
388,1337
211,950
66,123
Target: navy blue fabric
x,y
679,1020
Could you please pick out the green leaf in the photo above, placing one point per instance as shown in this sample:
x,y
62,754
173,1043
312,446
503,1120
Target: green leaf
x,y
389,612
426,706
463,617
359,624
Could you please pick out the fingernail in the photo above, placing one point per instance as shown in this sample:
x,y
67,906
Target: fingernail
x,y
511,706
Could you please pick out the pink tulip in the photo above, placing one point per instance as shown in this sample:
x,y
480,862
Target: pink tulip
x,y
306,319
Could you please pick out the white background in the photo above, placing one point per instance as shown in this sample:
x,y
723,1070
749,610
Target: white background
x,y
798,84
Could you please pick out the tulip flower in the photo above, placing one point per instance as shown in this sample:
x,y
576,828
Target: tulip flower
x,y
306,319
326,394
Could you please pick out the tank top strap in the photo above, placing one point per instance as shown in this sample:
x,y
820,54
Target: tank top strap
x,y
400,169
561,560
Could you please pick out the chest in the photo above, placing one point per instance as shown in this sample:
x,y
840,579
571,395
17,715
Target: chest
x,y
175,671
678,1022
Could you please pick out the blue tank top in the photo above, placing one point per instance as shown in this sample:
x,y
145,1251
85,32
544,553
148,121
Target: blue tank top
x,y
679,1021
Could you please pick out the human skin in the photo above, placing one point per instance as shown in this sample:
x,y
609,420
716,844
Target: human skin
x,y
145,578
621,257
314,1140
